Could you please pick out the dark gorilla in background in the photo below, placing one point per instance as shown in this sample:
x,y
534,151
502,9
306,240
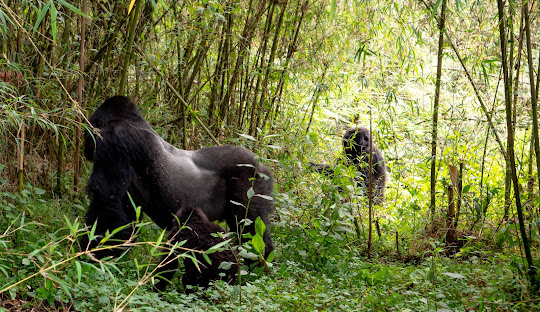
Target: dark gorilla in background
x,y
356,145
197,233
129,156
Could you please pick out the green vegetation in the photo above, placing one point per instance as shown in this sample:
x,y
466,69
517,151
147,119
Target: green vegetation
x,y
284,79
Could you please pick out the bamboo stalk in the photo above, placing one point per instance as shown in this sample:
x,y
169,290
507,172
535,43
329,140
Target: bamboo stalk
x,y
78,133
510,152
21,156
435,117
129,47
534,98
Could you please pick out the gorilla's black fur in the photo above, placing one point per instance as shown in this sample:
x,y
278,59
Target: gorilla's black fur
x,y
356,145
197,233
129,156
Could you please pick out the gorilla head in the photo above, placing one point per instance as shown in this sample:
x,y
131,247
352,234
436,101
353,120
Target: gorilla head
x,y
356,147
130,157
356,143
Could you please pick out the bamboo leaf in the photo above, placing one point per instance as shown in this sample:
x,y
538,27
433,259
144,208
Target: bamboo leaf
x,y
131,6
79,270
42,14
332,9
459,6
217,247
246,136
72,8
435,8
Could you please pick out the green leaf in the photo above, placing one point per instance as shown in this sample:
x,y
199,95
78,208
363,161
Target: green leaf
x,y
459,6
250,192
260,227
39,191
72,8
245,136
158,242
137,208
206,258
264,196
91,235
226,265
42,14
332,9
237,203
436,7
274,146
79,270
453,275
217,247
264,176
103,299
271,256
118,229
258,243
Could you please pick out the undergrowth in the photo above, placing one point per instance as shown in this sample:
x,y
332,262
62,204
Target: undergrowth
x,y
317,269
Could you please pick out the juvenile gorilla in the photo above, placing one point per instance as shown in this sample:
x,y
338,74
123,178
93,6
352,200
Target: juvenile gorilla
x,y
198,235
129,156
356,146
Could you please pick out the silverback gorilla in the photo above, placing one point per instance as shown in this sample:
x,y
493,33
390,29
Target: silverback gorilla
x,y
356,145
129,156
197,232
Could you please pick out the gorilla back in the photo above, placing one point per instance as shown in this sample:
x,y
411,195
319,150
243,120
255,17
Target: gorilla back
x,y
129,156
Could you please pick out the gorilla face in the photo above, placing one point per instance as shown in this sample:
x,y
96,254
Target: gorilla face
x,y
356,143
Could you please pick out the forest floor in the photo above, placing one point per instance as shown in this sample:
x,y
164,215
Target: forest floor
x,y
339,279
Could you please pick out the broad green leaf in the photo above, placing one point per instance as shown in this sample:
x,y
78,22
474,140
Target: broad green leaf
x,y
226,265
271,256
264,176
39,191
258,243
250,192
260,227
